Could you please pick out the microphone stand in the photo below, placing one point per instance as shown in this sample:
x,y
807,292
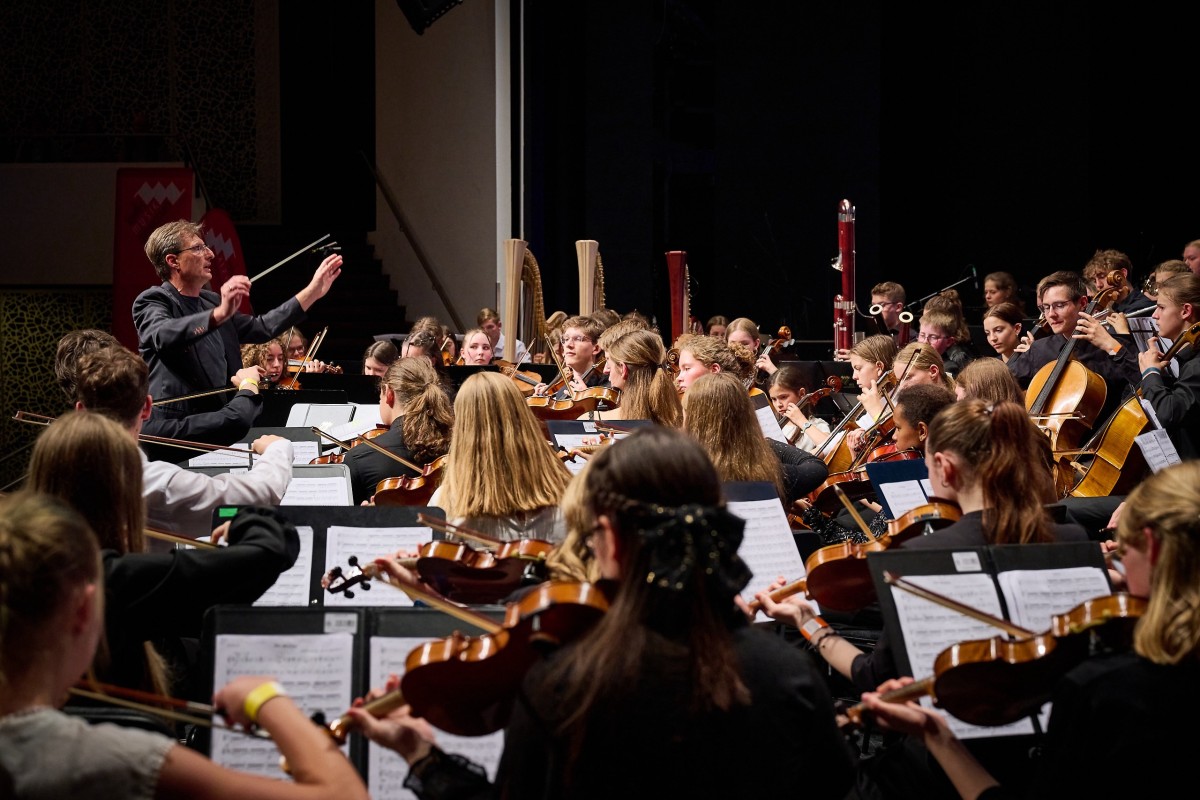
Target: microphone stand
x,y
921,302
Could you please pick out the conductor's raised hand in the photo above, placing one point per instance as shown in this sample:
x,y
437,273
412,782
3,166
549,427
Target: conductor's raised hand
x,y
321,281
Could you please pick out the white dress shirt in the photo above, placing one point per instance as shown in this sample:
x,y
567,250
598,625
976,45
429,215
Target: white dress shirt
x,y
181,501
522,355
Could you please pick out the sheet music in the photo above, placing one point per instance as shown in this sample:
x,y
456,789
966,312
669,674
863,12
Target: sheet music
x,y
291,588
1158,449
302,453
769,423
573,440
386,769
929,629
1035,595
903,496
315,669
223,458
768,546
321,415
365,544
365,418
317,492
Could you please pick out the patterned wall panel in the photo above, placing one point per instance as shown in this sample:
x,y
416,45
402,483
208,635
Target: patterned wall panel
x,y
31,323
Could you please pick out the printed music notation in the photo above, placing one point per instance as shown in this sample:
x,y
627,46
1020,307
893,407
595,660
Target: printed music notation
x,y
768,546
365,544
386,770
315,669
291,588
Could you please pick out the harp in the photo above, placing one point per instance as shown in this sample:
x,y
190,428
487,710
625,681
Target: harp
x,y
523,307
591,275
681,295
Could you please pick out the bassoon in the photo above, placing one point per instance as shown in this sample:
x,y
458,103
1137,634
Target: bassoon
x,y
843,304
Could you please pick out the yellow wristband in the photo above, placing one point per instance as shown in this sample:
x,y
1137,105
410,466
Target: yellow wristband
x,y
259,696
242,386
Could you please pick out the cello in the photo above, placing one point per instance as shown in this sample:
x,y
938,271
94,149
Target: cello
x,y
1065,397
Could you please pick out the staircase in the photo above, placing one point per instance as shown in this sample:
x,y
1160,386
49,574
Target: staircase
x,y
360,305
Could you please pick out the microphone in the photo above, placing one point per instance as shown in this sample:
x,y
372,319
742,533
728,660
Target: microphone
x,y
975,275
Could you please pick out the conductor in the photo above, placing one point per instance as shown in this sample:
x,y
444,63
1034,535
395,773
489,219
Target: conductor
x,y
191,337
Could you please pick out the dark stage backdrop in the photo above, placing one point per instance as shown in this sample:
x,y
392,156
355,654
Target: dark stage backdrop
x,y
1021,138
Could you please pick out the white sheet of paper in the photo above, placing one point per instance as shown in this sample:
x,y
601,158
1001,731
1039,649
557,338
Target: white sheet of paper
x,y
930,628
322,415
316,670
903,496
317,492
386,770
768,546
1035,595
1158,449
223,458
291,588
365,544
769,423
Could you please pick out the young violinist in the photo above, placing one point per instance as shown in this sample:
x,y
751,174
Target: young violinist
x,y
114,382
476,348
378,357
53,611
699,354
920,363
806,431
501,476
90,462
295,350
269,359
870,360
1002,324
1175,399
580,352
1116,713
636,365
672,693
415,407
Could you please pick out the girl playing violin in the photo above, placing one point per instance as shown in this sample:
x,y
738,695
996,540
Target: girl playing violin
x,y
636,364
92,464
378,357
1114,714
672,693
52,617
870,360
416,409
1002,324
501,477
787,391
1176,400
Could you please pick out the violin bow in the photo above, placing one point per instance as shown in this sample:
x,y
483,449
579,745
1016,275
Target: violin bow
x,y
308,356
962,608
562,371
364,440
486,624
195,396
41,419
113,695
445,526
299,252
858,520
164,536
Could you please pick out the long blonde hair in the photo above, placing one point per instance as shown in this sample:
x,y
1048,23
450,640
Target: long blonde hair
x,y
649,392
1167,504
499,462
571,560
720,415
920,357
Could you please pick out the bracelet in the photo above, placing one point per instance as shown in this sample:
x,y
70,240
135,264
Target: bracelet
x,y
818,641
1115,349
242,386
259,696
812,628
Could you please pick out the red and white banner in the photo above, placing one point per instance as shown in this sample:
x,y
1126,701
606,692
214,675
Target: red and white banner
x,y
146,198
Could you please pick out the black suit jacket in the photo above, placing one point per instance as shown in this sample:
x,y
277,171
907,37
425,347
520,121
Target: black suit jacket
x,y
167,338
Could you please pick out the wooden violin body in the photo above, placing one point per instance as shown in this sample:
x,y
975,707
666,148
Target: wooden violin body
x,y
837,575
578,404
526,380
923,519
466,685
413,490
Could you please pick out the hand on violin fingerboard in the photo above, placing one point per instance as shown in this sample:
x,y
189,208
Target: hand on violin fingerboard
x,y
412,737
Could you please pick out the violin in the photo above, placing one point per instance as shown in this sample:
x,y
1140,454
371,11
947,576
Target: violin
x,y
923,519
338,458
526,380
578,404
465,685
998,681
835,451
783,338
411,491
838,577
